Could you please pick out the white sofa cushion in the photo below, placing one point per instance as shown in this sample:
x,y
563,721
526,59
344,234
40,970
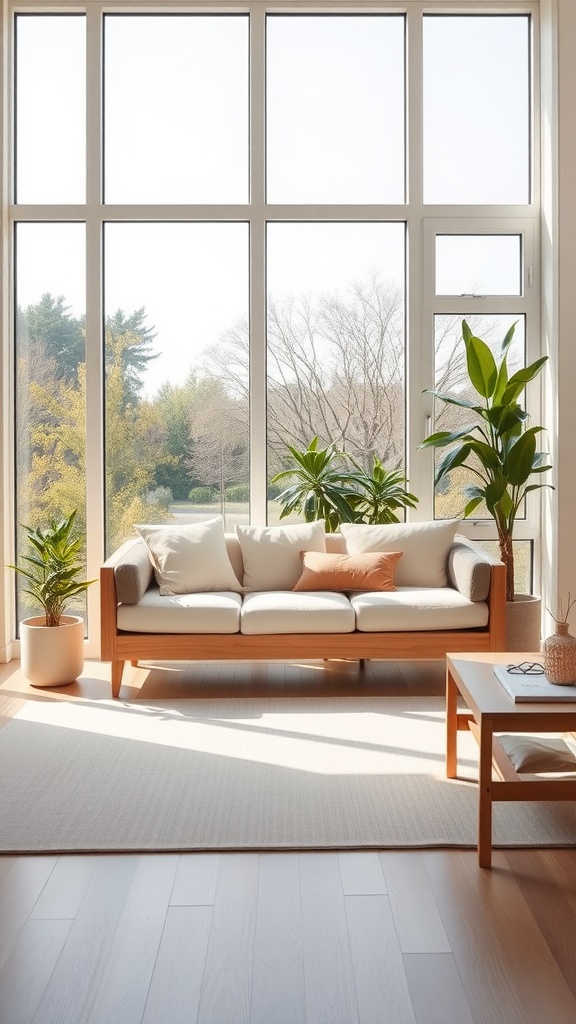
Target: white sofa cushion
x,y
413,608
424,548
182,613
300,612
272,553
190,558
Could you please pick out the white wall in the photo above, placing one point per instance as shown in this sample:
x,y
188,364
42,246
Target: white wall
x,y
559,294
6,627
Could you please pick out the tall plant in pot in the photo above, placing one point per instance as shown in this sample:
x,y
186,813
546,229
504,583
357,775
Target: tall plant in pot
x,y
52,644
496,446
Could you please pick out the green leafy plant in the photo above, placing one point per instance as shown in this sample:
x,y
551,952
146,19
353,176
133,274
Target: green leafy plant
x,y
498,448
324,488
321,486
382,492
53,570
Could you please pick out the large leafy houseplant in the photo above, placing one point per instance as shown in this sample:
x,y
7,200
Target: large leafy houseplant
x,y
497,447
53,571
323,487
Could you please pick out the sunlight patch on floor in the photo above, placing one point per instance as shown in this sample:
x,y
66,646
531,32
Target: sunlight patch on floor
x,y
303,734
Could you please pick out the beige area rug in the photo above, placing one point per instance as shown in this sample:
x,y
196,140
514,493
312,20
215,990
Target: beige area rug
x,y
263,774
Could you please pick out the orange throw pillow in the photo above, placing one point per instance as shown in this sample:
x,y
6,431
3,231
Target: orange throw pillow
x,y
371,570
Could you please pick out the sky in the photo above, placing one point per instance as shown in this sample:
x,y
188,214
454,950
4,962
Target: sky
x,y
176,131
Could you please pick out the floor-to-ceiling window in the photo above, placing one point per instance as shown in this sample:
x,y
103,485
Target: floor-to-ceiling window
x,y
240,226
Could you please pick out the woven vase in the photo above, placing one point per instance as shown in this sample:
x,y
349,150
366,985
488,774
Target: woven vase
x,y
560,656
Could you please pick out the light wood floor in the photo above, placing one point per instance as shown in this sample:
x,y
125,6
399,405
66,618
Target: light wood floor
x,y
389,937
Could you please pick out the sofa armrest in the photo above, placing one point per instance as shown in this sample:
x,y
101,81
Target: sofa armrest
x,y
132,570
469,570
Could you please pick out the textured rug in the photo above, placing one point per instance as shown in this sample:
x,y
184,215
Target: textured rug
x,y
237,774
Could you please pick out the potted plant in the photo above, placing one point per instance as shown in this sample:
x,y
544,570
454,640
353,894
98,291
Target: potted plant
x,y
380,494
324,488
52,644
496,447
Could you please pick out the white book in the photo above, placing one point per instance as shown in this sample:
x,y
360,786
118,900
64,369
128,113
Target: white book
x,y
536,688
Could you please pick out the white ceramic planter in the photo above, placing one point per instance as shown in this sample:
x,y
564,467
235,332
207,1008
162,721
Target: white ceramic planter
x,y
52,655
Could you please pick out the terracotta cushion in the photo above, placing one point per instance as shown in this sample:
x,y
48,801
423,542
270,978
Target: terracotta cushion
x,y
368,571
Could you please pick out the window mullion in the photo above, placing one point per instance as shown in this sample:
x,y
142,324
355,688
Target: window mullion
x,y
420,467
257,156
94,297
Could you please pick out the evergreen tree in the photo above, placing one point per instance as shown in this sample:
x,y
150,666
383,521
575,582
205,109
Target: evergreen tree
x,y
175,405
47,329
135,355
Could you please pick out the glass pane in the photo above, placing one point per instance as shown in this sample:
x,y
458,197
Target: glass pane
x,y
452,378
478,265
176,408
50,382
476,109
336,343
335,109
176,109
523,562
50,109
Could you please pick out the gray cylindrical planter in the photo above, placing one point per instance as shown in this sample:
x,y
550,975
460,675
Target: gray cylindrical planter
x,y
52,655
524,623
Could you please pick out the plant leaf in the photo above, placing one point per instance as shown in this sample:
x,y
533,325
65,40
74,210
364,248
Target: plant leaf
x,y
481,366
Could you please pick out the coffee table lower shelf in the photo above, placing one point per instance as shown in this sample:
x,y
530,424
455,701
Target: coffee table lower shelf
x,y
489,711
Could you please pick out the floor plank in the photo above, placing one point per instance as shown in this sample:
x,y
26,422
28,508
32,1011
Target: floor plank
x,y
69,997
550,893
125,980
381,985
174,994
65,889
507,970
330,985
19,890
29,967
278,992
418,921
436,990
195,882
361,873
227,987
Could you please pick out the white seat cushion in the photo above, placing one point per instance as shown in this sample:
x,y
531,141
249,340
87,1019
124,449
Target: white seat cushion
x,y
411,608
296,612
182,613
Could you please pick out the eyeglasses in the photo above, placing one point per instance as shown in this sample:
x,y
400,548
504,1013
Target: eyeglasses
x,y
526,668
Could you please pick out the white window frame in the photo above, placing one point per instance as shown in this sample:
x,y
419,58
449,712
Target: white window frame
x,y
526,305
422,222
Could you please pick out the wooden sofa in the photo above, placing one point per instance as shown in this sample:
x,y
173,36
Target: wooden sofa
x,y
120,645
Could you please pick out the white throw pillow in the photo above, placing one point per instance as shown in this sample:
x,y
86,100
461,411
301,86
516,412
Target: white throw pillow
x,y
272,554
424,548
190,559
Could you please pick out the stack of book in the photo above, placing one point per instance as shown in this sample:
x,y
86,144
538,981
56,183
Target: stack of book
x,y
533,687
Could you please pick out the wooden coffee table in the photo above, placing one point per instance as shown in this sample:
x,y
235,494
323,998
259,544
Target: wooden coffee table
x,y
490,710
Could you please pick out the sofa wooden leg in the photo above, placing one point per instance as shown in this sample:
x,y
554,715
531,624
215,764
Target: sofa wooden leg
x,y
117,670
361,663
